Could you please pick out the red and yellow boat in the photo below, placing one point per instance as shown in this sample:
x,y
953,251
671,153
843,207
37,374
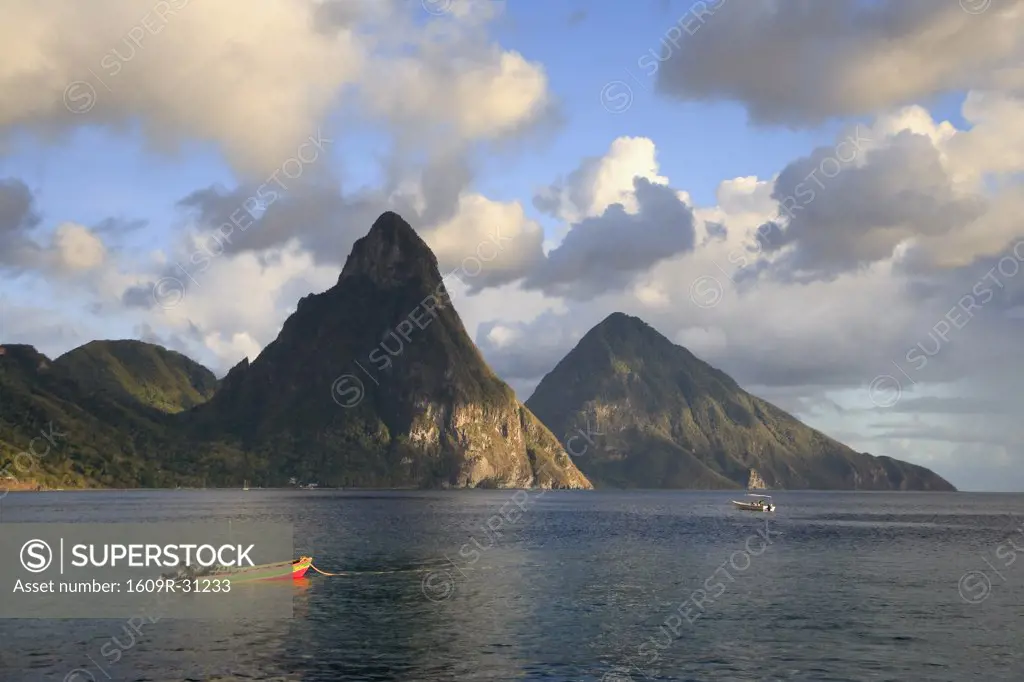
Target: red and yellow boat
x,y
283,570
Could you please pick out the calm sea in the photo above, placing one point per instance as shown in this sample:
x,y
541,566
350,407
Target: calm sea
x,y
610,586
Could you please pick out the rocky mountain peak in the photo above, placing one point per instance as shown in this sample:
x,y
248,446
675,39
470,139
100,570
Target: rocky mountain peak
x,y
622,321
667,419
375,382
391,254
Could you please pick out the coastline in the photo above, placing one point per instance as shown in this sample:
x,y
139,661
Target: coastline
x,y
32,488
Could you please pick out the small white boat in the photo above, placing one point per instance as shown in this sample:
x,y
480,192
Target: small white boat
x,y
764,504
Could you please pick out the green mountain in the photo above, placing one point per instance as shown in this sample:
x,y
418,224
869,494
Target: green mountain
x,y
142,373
431,414
659,417
58,430
375,382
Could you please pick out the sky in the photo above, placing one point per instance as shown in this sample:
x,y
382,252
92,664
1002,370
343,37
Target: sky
x,y
824,200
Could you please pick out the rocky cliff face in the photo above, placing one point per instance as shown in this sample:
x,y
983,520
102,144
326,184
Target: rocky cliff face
x,y
375,382
665,419
756,482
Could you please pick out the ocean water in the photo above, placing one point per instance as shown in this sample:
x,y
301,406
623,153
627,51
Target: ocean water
x,y
559,586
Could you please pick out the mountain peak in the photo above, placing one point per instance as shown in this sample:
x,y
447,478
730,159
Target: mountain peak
x,y
140,373
23,356
620,335
618,318
393,227
623,323
376,383
391,254
667,419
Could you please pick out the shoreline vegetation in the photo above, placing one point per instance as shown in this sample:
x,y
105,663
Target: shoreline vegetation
x,y
32,488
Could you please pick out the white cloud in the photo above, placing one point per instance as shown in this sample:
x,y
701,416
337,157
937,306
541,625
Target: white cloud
x,y
237,306
502,336
459,90
77,248
257,78
486,242
601,181
188,70
944,195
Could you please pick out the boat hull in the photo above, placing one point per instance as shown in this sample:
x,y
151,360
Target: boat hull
x,y
285,570
747,506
